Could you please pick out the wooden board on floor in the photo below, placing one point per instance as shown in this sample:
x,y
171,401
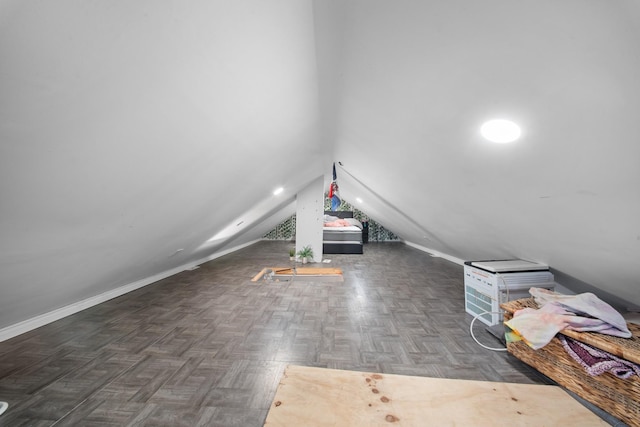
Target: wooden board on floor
x,y
302,271
326,397
308,271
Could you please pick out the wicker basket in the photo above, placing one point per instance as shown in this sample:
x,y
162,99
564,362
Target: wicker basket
x,y
618,397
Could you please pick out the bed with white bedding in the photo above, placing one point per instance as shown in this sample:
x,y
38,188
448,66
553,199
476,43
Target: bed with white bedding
x,y
341,233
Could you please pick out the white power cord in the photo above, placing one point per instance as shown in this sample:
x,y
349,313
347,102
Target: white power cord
x,y
506,287
474,337
490,312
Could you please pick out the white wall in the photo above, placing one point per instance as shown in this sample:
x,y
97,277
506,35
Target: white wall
x,y
131,133
310,217
417,79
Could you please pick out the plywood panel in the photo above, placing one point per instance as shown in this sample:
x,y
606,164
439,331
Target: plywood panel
x,y
307,271
302,271
325,397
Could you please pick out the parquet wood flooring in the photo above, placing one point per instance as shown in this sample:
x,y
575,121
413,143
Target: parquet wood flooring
x,y
207,347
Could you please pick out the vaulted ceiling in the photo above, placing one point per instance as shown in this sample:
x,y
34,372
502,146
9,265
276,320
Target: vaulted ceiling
x,y
133,134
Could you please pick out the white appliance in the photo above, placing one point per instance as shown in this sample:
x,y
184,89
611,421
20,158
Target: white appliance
x,y
487,284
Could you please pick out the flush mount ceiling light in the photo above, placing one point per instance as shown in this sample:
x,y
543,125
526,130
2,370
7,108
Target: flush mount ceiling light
x,y
278,191
500,130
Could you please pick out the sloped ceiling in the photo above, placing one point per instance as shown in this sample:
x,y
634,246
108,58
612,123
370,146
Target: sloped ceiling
x,y
133,135
417,79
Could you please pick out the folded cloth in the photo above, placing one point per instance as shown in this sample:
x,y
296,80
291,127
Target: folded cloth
x,y
587,305
558,312
596,361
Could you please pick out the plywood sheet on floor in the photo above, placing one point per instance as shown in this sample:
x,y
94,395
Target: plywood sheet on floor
x,y
302,271
326,397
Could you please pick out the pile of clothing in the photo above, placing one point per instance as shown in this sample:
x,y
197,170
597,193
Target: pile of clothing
x,y
583,313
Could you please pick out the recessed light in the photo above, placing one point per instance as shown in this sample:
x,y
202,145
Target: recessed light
x,y
500,130
358,199
278,191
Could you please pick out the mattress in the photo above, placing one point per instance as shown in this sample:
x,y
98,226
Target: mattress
x,y
341,240
342,247
342,234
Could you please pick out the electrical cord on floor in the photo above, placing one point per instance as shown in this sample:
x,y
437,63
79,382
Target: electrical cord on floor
x,y
474,337
499,276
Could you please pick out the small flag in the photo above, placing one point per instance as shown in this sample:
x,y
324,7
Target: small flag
x,y
334,195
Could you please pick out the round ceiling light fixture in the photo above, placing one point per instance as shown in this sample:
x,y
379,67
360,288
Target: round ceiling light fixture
x,y
500,130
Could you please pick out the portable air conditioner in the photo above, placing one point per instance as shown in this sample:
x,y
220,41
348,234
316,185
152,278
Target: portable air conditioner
x,y
487,284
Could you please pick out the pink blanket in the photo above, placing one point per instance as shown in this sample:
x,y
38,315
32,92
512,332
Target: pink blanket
x,y
338,223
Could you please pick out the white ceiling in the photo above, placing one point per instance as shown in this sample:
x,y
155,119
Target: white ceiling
x,y
133,133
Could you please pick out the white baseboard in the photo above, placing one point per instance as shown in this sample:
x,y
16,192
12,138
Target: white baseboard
x,y
46,318
435,253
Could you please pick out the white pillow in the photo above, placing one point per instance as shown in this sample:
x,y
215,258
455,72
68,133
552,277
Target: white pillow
x,y
354,222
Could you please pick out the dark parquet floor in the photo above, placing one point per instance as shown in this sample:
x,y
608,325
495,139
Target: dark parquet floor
x,y
207,347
